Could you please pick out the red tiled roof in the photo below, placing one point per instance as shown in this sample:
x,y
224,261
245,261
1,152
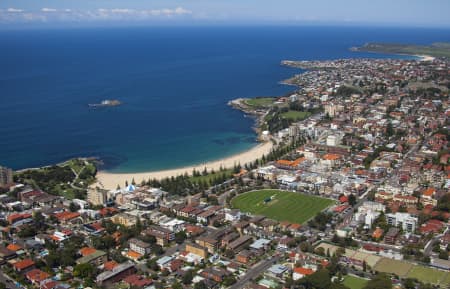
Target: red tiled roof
x,y
138,281
87,251
20,265
37,275
65,216
13,247
110,265
15,217
303,271
429,192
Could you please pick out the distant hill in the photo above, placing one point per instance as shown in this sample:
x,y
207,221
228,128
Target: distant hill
x,y
439,49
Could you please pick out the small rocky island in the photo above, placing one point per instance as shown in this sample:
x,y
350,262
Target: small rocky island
x,y
105,103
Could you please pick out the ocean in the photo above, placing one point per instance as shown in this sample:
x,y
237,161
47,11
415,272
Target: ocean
x,y
174,83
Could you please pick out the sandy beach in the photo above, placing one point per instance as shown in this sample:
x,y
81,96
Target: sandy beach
x,y
111,180
425,57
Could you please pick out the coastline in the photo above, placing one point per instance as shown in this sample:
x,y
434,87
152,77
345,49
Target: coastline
x,y
107,180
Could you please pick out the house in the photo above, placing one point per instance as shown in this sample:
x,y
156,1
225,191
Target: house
x,y
69,217
300,272
205,216
87,251
96,258
139,246
138,281
6,254
36,276
197,250
377,233
260,245
431,226
238,244
214,273
117,274
244,256
404,220
428,197
210,243
24,266
164,262
124,219
163,236
391,236
277,271
232,215
226,240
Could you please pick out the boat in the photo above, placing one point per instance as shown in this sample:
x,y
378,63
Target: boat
x,y
106,102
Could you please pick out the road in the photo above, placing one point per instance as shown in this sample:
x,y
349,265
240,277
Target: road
x,y
10,283
255,271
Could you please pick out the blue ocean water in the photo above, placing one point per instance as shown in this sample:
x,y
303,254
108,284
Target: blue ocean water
x,y
174,83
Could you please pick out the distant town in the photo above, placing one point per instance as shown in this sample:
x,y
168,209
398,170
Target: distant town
x,y
355,194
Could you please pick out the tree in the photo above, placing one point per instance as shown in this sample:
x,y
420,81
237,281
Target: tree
x,y
352,200
320,280
73,207
187,277
83,270
443,255
180,237
409,283
200,285
380,281
229,280
177,285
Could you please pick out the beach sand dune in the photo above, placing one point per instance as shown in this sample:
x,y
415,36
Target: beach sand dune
x,y
108,180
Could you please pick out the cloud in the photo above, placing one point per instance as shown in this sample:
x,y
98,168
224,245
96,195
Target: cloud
x,y
14,10
102,14
48,10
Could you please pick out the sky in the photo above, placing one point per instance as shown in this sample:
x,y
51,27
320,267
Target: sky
x,y
429,13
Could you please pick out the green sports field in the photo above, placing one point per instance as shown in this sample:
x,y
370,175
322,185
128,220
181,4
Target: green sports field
x,y
283,205
429,275
354,282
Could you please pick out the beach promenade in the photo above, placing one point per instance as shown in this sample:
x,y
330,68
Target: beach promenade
x,y
108,180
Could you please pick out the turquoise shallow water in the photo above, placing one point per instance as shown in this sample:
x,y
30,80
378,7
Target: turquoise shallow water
x,y
174,84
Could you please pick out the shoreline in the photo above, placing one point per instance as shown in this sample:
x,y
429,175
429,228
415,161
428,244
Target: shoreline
x,y
107,180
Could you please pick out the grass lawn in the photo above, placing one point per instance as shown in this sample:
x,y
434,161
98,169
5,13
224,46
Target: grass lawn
x,y
399,268
211,176
284,206
296,115
353,282
260,101
429,275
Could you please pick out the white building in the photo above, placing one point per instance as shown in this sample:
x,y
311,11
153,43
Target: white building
x,y
232,215
403,220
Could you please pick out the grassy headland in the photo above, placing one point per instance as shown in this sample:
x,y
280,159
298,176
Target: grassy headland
x,y
436,49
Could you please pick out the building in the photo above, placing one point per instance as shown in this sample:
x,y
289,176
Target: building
x,y
211,244
6,177
96,258
391,236
403,220
118,273
197,250
139,246
300,272
24,266
36,276
162,235
239,244
96,197
124,219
